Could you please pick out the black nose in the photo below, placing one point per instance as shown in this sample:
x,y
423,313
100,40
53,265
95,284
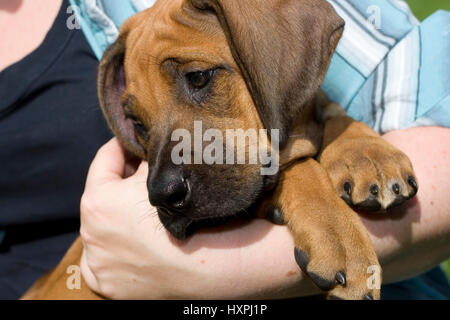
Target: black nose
x,y
170,191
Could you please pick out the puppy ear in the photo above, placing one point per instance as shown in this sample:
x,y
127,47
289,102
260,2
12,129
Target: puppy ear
x,y
111,87
283,48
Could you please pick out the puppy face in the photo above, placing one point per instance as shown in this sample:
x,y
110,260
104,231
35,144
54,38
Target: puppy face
x,y
222,65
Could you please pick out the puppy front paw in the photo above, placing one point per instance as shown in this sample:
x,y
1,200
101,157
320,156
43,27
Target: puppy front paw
x,y
332,245
340,266
336,254
368,173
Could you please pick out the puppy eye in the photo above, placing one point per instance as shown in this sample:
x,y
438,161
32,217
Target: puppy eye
x,y
199,79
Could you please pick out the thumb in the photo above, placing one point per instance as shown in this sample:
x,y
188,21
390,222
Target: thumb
x,y
108,164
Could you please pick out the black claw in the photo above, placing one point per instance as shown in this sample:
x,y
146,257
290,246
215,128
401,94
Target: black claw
x,y
322,283
302,259
348,188
396,188
275,216
412,182
340,278
368,297
348,192
347,199
374,189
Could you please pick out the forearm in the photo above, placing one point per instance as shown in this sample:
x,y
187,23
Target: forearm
x,y
416,237
252,260
408,240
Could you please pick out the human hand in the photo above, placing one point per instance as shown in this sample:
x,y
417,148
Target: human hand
x,y
129,255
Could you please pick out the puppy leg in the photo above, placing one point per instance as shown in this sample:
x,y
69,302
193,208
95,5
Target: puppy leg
x,y
332,245
53,286
366,171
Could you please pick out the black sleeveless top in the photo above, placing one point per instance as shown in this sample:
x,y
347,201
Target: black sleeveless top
x,y
50,129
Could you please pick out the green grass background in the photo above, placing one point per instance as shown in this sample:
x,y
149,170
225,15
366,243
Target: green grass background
x,y
422,9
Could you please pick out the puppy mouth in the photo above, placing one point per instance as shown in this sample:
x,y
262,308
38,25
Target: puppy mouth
x,y
182,227
168,213
174,215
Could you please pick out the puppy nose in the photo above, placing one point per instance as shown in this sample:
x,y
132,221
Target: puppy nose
x,y
169,191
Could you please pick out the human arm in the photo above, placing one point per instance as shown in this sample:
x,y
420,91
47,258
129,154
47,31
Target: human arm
x,y
132,256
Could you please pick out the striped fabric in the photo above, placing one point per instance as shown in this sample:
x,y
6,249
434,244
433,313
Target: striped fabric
x,y
388,71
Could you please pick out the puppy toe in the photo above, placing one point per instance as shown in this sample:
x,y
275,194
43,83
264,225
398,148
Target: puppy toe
x,y
325,279
401,191
398,180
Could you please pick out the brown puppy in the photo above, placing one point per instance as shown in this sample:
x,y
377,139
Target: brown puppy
x,y
249,65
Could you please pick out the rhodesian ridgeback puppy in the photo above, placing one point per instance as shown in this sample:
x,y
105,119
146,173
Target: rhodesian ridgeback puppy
x,y
250,65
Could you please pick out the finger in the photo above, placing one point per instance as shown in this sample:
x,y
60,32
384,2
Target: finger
x,y
108,164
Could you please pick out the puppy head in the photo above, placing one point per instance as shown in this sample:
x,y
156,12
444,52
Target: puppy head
x,y
197,69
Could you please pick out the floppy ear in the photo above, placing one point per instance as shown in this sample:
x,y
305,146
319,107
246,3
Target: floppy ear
x,y
111,86
283,48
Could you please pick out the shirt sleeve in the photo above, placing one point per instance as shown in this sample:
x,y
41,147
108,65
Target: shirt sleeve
x,y
100,20
389,71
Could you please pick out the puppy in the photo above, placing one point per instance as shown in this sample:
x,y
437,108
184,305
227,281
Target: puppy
x,y
250,66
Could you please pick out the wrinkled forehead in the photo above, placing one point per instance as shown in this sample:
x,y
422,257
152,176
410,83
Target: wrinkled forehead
x,y
172,29
169,30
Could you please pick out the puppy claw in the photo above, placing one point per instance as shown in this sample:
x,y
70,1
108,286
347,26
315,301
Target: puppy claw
x,y
396,188
347,200
340,278
322,283
368,297
412,182
374,190
348,188
302,259
275,216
